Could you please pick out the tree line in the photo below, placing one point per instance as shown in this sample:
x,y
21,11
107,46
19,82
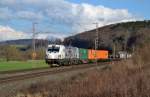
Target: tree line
x,y
12,53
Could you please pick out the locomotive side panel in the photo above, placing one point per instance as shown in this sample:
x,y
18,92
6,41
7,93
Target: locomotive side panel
x,y
71,53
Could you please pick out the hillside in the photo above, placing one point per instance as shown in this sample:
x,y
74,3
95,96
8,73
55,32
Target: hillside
x,y
17,42
28,42
123,35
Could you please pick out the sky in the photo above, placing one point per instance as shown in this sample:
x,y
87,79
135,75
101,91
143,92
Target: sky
x,y
61,18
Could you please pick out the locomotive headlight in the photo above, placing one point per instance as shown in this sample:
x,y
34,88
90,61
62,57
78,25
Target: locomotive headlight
x,y
59,56
46,56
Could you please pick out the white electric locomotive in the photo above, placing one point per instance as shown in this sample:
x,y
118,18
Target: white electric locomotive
x,y
60,54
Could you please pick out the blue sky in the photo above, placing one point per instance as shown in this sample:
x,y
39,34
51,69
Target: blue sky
x,y
65,17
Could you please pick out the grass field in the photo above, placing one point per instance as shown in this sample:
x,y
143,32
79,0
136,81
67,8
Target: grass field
x,y
21,65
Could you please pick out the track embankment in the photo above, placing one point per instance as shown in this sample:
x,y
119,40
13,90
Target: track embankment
x,y
27,75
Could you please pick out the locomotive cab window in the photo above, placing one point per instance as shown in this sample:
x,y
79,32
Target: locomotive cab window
x,y
53,49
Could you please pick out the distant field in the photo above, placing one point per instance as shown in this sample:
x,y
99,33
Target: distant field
x,y
21,65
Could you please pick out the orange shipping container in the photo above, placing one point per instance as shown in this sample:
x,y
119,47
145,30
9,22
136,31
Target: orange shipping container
x,y
102,54
97,54
91,54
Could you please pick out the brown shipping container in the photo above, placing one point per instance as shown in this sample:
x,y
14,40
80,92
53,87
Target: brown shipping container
x,y
97,54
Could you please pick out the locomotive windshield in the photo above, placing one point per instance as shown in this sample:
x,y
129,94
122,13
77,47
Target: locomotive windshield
x,y
53,49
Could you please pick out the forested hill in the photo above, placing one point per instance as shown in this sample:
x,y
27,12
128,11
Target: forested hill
x,y
123,35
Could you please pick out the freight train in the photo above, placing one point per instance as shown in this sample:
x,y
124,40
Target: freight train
x,y
66,55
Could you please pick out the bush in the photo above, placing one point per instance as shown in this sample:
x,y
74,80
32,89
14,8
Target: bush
x,y
40,54
12,53
141,56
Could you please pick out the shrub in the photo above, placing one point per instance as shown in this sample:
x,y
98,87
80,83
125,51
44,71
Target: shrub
x,y
141,56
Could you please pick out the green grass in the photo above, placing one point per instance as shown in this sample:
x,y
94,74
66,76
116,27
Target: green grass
x,y
19,46
21,65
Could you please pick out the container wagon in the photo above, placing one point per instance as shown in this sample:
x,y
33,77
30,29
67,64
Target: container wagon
x,y
97,54
83,55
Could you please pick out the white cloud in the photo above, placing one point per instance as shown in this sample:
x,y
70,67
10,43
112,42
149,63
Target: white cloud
x,y
29,15
89,14
76,17
82,16
51,35
7,33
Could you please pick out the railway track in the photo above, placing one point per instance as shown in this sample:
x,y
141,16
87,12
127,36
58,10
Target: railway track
x,y
23,70
12,78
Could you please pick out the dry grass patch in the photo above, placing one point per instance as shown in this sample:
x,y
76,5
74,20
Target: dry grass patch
x,y
119,81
